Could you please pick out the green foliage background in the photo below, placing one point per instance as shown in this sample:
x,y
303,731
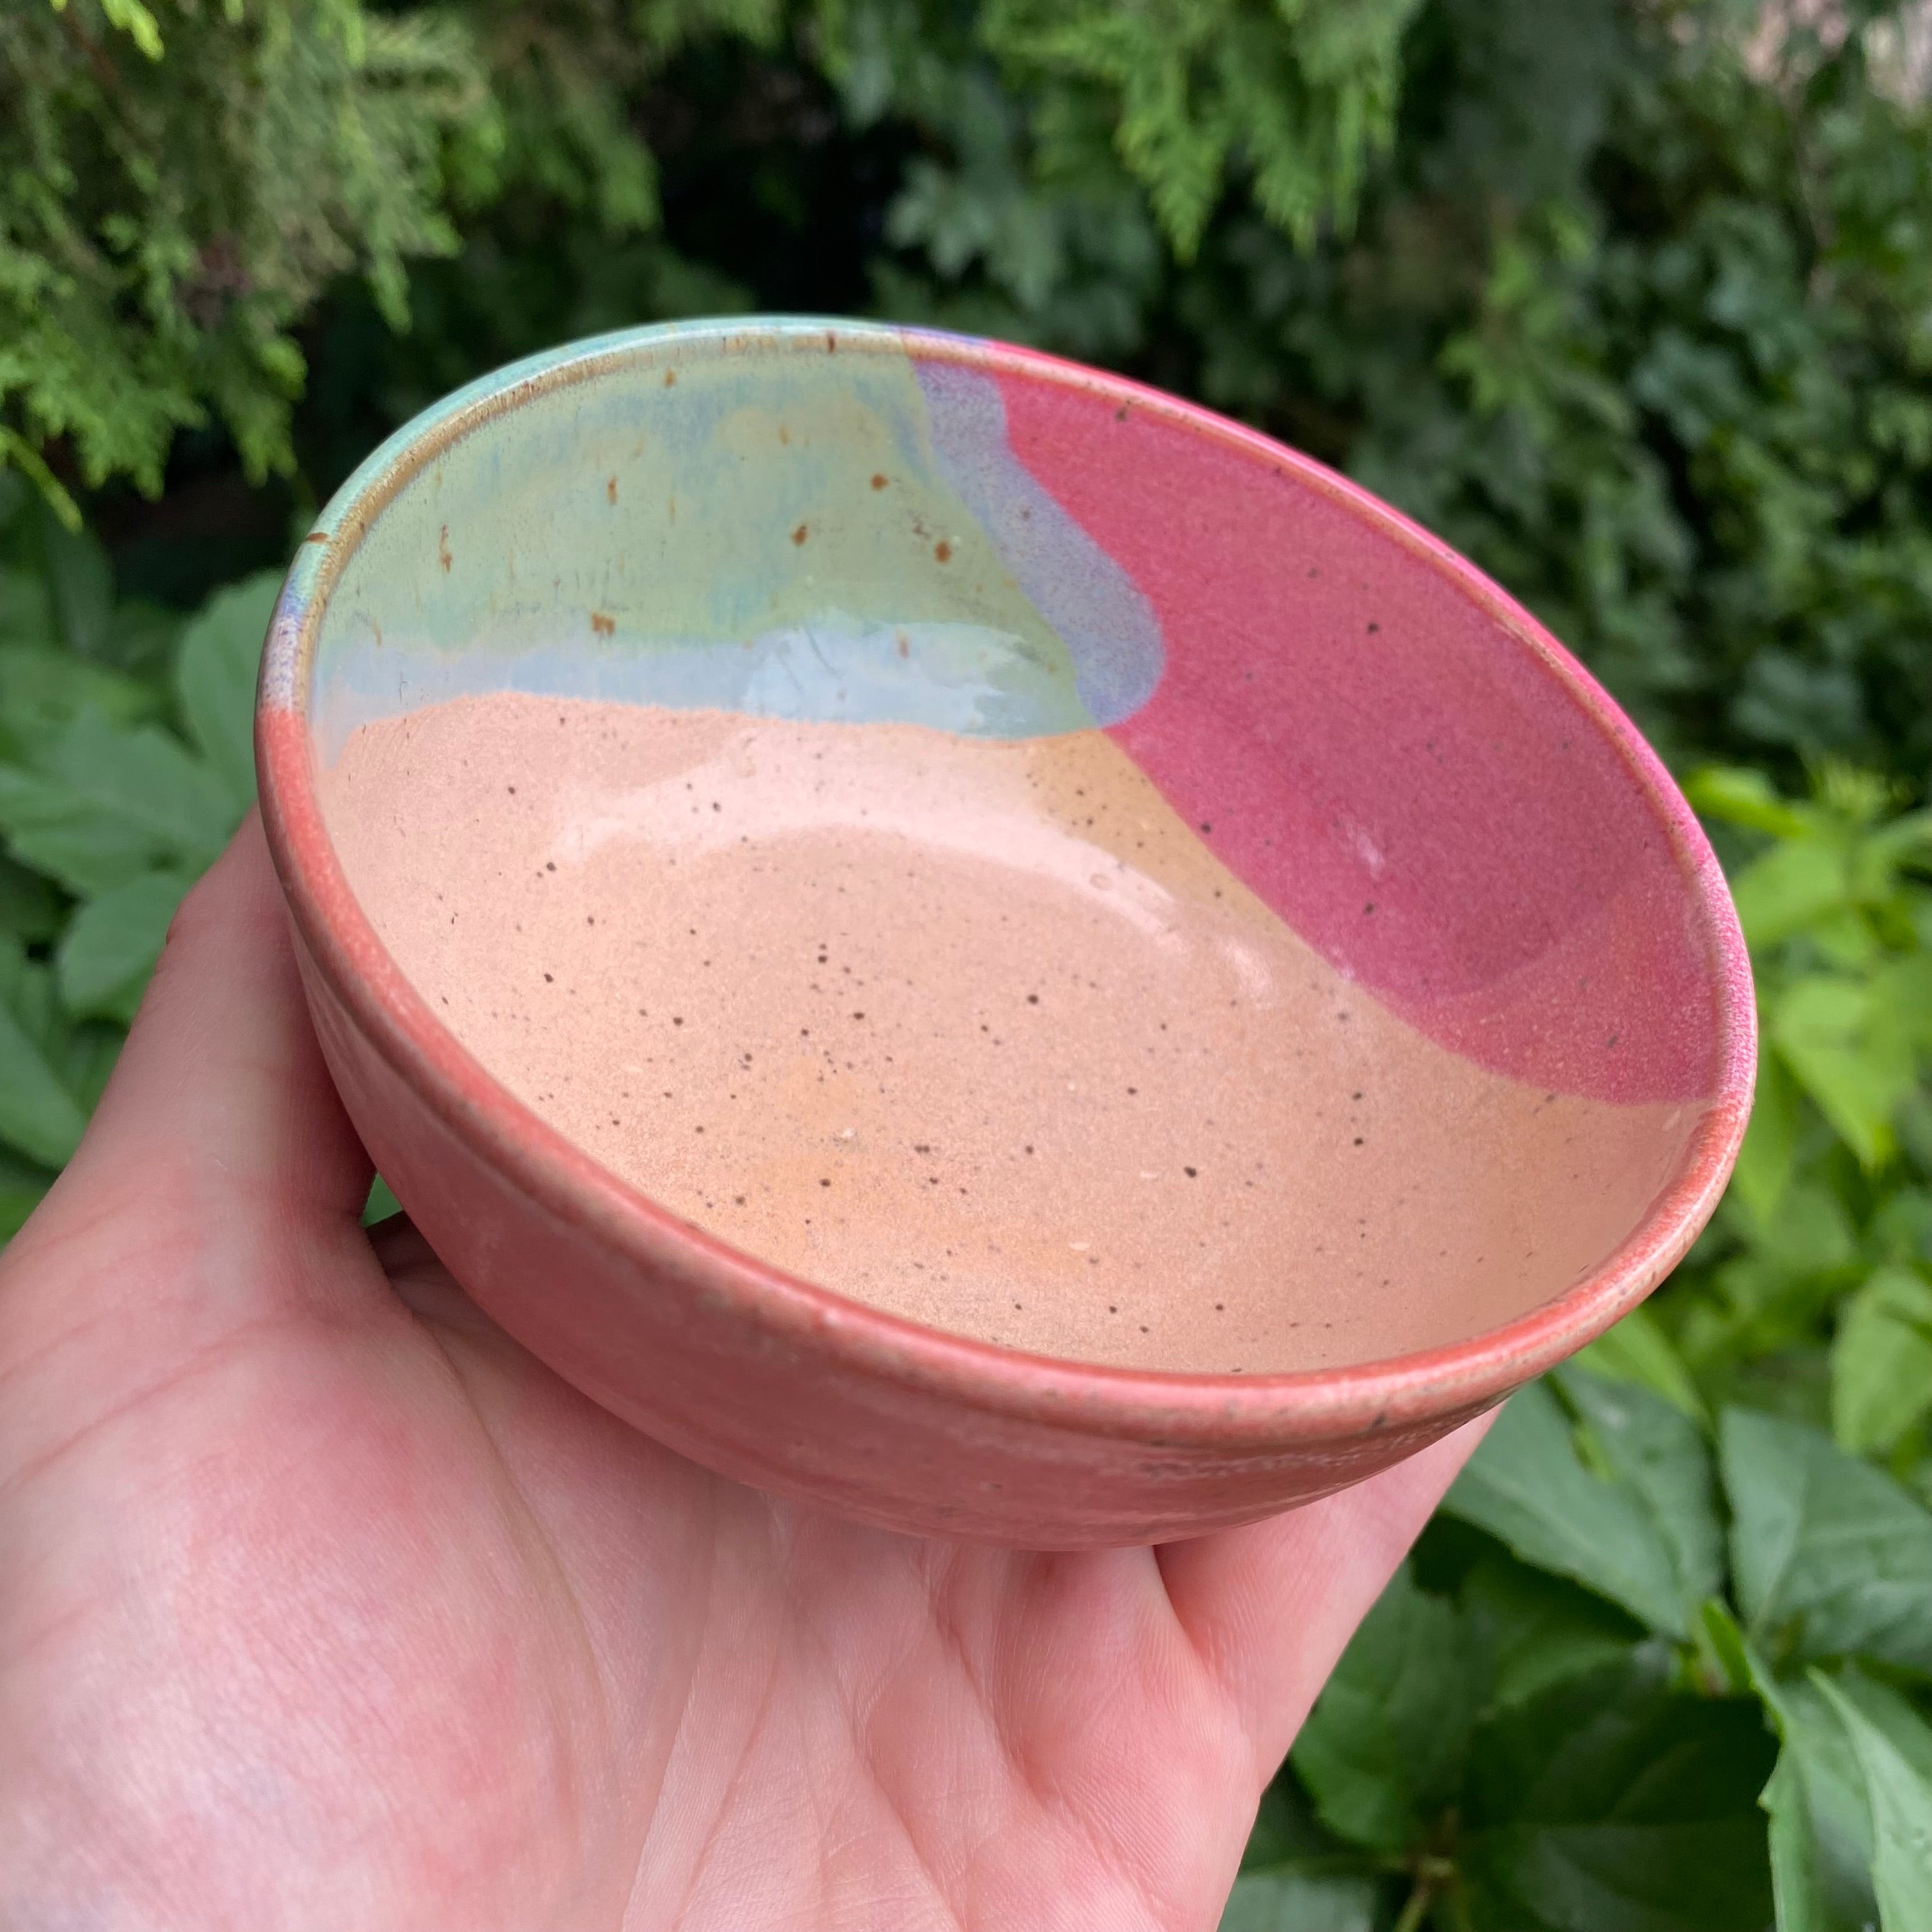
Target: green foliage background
x,y
1630,299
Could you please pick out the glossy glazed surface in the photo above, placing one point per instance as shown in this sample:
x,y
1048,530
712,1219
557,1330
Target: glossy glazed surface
x,y
978,1031
829,529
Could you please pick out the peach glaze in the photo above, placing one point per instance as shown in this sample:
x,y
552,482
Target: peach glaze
x,y
977,1030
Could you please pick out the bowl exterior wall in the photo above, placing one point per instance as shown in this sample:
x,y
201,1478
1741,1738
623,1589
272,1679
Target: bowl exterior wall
x,y
803,1417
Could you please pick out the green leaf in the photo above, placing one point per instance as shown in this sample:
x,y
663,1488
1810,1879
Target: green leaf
x,y
1741,796
80,583
1769,1155
1638,1350
1610,1804
31,909
1849,1052
39,1116
22,1184
1882,1360
1791,887
1819,1831
1901,1229
382,1204
1381,1752
1722,1645
220,656
1291,1901
1660,1455
101,804
1899,1792
1527,1487
1831,1557
85,1056
41,690
26,610
1812,1229
1901,991
1810,1894
1538,1628
111,945
1287,1832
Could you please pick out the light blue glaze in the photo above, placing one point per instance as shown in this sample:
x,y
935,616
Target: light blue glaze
x,y
578,526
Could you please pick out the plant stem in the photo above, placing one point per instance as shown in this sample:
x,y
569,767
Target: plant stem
x,y
1416,1907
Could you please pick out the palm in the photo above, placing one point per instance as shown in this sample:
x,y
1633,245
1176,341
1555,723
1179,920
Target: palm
x,y
325,1604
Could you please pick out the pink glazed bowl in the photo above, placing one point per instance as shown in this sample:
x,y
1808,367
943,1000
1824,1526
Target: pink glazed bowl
x,y
1396,760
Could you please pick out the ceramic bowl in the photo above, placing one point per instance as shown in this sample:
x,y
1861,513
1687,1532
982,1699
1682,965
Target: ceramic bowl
x,y
1435,801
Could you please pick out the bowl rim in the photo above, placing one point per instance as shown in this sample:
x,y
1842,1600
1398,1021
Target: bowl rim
x,y
1254,1413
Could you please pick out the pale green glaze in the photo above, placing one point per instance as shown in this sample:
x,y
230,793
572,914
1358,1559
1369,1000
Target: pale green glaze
x,y
697,523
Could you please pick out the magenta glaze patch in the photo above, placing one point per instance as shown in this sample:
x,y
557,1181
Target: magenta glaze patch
x,y
1397,775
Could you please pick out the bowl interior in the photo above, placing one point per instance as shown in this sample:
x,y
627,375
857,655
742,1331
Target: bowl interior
x,y
1015,849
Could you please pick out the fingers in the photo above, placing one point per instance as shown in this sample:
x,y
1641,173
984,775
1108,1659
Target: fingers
x,y
221,1085
1272,1606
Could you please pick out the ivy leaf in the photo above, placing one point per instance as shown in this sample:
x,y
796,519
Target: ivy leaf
x,y
1898,1773
220,656
1538,1628
1831,1557
1610,1804
1292,1901
1381,1752
40,1116
100,804
1882,1360
1659,1455
1528,1487
112,943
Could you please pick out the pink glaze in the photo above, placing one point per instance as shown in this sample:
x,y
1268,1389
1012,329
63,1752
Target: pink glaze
x,y
1441,818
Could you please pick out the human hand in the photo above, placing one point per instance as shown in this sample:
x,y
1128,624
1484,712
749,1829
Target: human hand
x,y
323,1604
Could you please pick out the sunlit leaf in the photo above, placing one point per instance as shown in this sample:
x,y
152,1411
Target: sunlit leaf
x,y
1789,887
1638,1350
1741,796
1849,1050
1882,1360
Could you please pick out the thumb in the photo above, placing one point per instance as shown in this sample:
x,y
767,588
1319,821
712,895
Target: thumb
x,y
221,1093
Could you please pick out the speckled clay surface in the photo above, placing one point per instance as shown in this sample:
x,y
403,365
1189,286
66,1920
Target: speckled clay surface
x,y
1134,722
977,1030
